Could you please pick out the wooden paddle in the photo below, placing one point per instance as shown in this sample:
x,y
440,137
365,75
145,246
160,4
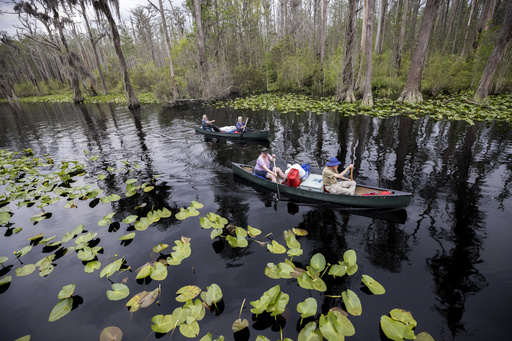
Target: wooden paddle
x,y
277,180
351,174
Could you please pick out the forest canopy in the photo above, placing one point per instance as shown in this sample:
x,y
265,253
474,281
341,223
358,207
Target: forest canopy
x,y
206,49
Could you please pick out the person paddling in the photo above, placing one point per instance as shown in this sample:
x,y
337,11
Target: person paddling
x,y
207,124
241,126
330,178
264,169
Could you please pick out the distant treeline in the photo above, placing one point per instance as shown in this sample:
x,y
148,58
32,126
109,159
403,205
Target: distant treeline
x,y
206,49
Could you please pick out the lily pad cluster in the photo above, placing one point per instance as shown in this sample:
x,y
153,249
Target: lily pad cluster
x,y
453,108
29,181
186,317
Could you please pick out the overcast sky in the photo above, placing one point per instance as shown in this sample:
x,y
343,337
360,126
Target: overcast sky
x,y
8,20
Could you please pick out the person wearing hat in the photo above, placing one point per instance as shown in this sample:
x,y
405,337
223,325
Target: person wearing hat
x,y
207,124
264,169
330,178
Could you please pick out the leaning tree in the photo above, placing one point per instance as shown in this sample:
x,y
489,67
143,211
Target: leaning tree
x,y
102,8
504,39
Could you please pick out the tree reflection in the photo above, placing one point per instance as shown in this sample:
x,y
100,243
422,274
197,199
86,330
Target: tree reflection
x,y
454,271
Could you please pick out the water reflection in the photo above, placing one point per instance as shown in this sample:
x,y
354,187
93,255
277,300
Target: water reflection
x,y
459,175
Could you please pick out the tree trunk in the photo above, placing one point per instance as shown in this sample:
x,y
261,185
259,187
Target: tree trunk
x,y
383,4
466,31
168,45
282,17
453,10
322,32
200,36
360,62
367,92
94,48
402,35
497,53
412,89
131,96
75,83
346,90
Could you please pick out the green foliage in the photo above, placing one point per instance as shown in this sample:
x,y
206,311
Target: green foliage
x,y
447,74
26,89
249,78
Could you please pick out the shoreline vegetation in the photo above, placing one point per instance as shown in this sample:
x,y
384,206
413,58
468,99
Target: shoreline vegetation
x,y
454,108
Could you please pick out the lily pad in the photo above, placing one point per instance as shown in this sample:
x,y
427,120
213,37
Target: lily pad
x,y
66,291
61,309
307,308
187,293
375,287
118,292
25,271
352,302
111,333
239,324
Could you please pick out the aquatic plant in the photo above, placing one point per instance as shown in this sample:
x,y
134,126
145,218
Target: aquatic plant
x,y
453,108
31,181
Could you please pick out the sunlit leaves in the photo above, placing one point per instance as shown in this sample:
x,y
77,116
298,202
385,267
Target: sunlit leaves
x,y
310,333
275,247
91,266
158,272
5,280
143,299
111,333
186,213
318,262
352,302
181,251
23,251
109,198
25,270
61,309
273,301
118,292
66,291
111,268
163,323
4,217
307,308
160,247
374,286
253,232
403,316
335,326
395,330
128,236
106,219
130,219
213,294
238,325
187,293
88,253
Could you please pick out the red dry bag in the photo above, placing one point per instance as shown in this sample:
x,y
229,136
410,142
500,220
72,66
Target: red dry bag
x,y
293,178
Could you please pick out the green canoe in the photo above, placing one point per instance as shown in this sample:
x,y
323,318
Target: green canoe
x,y
254,135
396,199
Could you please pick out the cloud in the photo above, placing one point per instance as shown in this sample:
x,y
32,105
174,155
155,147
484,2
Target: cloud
x,y
8,18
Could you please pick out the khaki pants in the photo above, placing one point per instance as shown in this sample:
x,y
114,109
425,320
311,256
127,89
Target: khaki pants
x,y
342,187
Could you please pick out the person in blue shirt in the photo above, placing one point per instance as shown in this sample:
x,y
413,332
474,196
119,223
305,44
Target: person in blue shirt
x,y
207,124
241,126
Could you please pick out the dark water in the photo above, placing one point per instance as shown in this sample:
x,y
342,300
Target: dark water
x,y
446,258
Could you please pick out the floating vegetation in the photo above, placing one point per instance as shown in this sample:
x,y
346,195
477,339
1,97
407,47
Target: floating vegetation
x,y
458,108
30,181
118,98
